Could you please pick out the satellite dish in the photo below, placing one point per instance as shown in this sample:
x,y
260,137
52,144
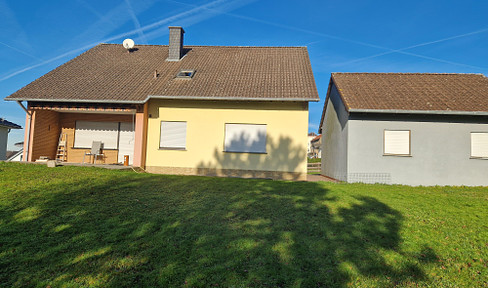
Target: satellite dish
x,y
128,44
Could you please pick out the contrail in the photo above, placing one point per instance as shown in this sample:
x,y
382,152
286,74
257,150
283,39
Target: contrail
x,y
20,51
46,62
10,20
419,45
95,12
389,50
198,17
287,27
121,35
136,22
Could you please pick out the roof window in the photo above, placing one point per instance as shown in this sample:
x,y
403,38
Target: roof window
x,y
185,74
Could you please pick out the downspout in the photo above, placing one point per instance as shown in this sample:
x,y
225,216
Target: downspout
x,y
26,145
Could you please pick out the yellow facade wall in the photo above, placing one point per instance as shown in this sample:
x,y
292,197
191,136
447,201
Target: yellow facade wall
x,y
286,147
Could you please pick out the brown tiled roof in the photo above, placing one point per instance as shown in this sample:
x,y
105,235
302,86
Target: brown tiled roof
x,y
413,91
427,93
108,73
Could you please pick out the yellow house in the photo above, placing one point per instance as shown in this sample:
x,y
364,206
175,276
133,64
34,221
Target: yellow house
x,y
193,110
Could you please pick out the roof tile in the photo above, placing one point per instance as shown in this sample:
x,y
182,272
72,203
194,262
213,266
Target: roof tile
x,y
413,91
108,73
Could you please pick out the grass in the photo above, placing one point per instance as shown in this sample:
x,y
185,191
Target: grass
x,y
89,227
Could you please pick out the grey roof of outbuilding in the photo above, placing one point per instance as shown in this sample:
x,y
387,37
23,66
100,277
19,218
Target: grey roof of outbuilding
x,y
8,124
108,73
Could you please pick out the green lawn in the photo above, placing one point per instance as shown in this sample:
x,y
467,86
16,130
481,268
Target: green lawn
x,y
77,226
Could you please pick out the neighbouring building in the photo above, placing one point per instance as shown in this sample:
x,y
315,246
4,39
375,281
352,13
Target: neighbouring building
x,y
406,128
16,156
310,137
197,110
5,127
316,147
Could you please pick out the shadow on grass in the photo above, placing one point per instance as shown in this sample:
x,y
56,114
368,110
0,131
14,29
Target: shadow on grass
x,y
121,229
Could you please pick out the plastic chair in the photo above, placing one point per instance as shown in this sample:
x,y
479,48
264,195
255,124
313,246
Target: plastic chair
x,y
96,150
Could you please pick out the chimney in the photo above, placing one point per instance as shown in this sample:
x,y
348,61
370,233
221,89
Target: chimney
x,y
175,43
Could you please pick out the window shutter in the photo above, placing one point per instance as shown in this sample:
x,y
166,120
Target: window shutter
x,y
396,142
479,145
126,141
245,138
88,131
173,135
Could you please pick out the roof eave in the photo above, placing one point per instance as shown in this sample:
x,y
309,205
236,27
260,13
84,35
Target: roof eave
x,y
169,97
76,101
331,82
298,99
431,112
11,127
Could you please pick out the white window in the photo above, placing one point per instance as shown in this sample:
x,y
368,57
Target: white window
x,y
249,138
479,144
88,131
173,135
396,142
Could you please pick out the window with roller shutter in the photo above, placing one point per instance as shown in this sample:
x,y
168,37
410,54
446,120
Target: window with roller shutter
x,y
479,144
245,138
396,143
173,135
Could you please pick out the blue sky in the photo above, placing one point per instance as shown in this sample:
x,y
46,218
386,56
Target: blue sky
x,y
341,36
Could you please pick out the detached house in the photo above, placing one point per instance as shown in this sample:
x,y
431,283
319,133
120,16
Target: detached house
x,y
5,127
198,110
414,129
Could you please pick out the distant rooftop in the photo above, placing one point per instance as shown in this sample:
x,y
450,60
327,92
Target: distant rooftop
x,y
8,124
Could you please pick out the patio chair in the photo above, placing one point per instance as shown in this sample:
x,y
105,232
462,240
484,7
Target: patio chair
x,y
96,151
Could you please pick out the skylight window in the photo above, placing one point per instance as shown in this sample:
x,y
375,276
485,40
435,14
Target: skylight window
x,y
185,74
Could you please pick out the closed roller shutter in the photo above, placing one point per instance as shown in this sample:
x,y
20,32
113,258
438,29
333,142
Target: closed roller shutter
x,y
245,138
479,144
126,141
88,131
173,135
396,142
